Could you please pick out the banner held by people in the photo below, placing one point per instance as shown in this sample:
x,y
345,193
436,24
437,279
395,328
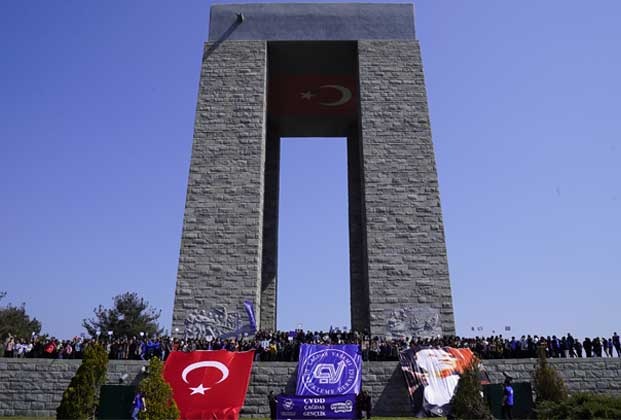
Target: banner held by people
x,y
305,407
431,375
209,384
329,369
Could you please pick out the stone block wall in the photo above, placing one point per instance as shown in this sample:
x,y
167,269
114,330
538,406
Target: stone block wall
x,y
220,259
596,375
34,387
407,262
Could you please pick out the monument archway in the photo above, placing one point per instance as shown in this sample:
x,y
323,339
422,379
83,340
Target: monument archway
x,y
302,70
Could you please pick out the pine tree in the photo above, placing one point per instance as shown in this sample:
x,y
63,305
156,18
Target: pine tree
x,y
129,316
467,401
81,396
549,386
16,322
158,394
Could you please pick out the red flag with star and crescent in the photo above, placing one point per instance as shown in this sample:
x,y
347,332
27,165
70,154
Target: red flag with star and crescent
x,y
313,95
209,384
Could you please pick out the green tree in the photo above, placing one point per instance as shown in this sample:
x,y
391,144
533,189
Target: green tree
x,y
549,386
15,321
80,398
467,401
129,316
158,394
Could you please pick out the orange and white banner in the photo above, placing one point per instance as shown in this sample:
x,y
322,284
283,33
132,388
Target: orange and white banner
x,y
431,375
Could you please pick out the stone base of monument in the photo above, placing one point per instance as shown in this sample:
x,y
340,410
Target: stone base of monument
x,y
34,387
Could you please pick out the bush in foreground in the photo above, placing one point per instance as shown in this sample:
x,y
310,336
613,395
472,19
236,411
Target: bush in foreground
x,y
80,398
581,406
158,394
549,385
467,401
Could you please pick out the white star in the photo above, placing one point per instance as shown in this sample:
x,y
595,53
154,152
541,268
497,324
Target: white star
x,y
308,95
198,390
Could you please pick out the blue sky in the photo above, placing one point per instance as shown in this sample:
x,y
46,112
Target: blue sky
x,y
96,117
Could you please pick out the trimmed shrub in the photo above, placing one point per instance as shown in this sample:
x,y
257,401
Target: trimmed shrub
x,y
581,406
549,386
80,398
158,394
467,401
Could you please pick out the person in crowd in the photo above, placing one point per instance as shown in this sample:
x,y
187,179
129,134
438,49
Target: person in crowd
x,y
67,351
271,401
523,346
20,348
513,347
616,343
597,347
363,404
549,349
50,349
564,350
543,344
77,348
556,346
588,347
605,347
9,346
571,342
507,400
142,350
578,347
138,404
610,347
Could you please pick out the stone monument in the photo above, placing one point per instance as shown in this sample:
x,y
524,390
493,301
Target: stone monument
x,y
313,70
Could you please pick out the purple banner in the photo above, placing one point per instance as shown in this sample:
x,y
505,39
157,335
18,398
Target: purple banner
x,y
329,370
251,319
308,407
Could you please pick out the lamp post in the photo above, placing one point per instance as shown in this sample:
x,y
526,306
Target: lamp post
x,y
98,333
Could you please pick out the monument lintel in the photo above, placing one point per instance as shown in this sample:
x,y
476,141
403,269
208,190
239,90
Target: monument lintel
x,y
312,21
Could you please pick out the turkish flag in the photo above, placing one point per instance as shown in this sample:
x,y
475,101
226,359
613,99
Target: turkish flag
x,y
312,95
209,384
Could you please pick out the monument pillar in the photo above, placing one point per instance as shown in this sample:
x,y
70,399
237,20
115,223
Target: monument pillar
x,y
254,70
221,253
406,251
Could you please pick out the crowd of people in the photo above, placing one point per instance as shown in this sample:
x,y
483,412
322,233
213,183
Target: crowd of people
x,y
285,345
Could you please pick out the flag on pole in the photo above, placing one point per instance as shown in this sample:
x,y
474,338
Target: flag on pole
x,y
251,318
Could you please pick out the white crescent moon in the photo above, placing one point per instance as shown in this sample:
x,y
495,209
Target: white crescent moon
x,y
209,363
345,95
